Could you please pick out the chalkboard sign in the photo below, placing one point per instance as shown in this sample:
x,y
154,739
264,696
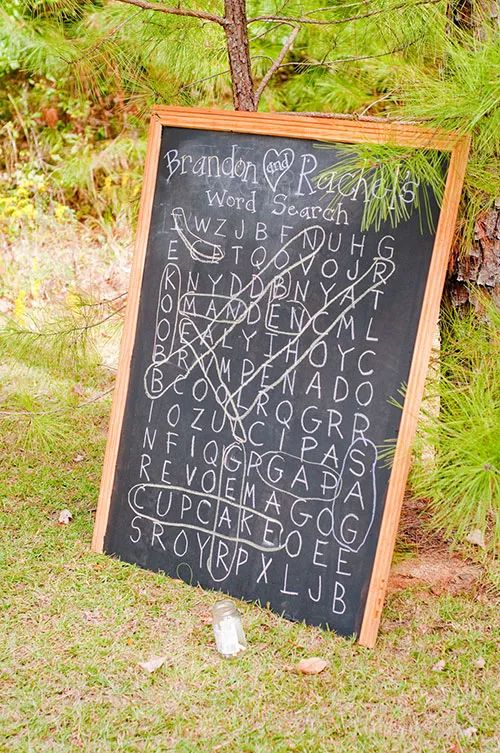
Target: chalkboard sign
x,y
265,340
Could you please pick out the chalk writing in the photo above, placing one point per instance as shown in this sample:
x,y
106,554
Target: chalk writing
x,y
263,378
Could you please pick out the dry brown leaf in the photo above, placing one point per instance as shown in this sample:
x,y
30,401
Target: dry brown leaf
x,y
92,616
312,666
437,590
476,537
65,517
469,732
50,116
153,664
205,615
439,666
5,306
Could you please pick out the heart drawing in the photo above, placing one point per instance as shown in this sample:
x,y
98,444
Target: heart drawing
x,y
276,163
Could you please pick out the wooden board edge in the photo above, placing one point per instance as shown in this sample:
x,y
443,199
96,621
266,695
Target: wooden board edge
x,y
418,372
128,336
308,127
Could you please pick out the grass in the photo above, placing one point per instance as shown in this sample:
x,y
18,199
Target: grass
x,y
74,626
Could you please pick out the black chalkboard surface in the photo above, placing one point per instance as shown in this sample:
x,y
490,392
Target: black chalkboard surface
x,y
270,338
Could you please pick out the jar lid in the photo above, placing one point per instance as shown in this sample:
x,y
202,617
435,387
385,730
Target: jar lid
x,y
224,606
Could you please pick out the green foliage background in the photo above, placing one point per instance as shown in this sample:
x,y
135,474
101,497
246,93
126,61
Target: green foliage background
x,y
102,63
462,480
77,79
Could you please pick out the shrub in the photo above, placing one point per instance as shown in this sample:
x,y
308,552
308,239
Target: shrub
x,y
463,480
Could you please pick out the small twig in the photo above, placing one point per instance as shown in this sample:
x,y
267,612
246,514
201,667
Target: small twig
x,y
353,58
205,78
375,102
200,14
109,35
105,301
267,31
329,8
272,70
56,410
331,22
354,116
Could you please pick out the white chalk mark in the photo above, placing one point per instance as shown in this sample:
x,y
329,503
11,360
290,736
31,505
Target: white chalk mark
x,y
320,337
230,312
303,464
171,270
227,453
133,491
249,307
353,545
199,248
229,301
276,163
238,539
233,419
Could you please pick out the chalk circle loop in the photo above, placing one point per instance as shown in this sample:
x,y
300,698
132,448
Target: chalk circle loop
x,y
329,515
163,330
289,538
167,304
184,572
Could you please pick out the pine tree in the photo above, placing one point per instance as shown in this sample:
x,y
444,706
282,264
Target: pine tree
x,y
420,60
416,59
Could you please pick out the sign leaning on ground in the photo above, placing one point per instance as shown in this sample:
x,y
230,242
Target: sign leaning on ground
x,y
266,340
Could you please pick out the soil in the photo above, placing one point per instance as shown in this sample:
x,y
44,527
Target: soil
x,y
431,564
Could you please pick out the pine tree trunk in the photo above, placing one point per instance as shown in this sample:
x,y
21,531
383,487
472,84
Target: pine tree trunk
x,y
239,55
480,265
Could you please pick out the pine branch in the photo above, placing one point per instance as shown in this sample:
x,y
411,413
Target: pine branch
x,y
391,168
329,64
39,334
200,14
189,85
336,21
105,301
327,8
277,63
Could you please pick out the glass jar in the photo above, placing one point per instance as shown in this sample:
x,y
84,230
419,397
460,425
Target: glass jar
x,y
228,630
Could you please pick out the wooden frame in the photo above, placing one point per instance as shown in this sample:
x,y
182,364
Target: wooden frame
x,y
335,130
